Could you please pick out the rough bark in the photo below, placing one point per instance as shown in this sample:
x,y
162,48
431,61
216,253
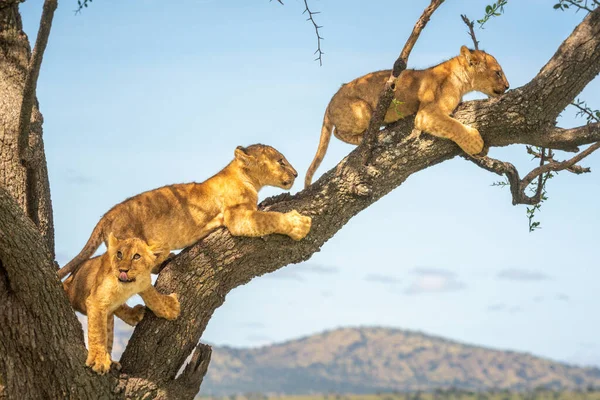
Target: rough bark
x,y
42,355
203,274
29,186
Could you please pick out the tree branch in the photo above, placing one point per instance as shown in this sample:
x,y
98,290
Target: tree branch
x,y
33,72
40,337
561,165
203,274
573,66
385,98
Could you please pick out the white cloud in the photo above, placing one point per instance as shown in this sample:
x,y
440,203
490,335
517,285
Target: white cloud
x,y
434,280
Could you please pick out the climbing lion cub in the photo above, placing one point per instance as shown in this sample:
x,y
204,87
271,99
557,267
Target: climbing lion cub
x,y
432,94
177,216
103,284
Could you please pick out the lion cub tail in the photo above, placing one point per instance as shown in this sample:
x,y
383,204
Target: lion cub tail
x,y
95,240
326,131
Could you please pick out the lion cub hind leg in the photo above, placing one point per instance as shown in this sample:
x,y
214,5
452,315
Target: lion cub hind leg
x,y
351,119
438,124
131,316
349,137
164,306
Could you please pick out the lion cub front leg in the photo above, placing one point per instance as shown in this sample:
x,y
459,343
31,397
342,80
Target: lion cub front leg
x,y
98,357
164,306
245,222
435,122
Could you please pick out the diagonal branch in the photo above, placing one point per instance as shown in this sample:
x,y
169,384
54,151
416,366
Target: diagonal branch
x,y
385,98
205,273
573,66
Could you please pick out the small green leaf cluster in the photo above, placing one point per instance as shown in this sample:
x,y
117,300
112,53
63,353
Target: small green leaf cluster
x,y
492,10
578,4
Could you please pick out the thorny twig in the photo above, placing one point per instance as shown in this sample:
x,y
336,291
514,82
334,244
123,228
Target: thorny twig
x,y
317,27
310,18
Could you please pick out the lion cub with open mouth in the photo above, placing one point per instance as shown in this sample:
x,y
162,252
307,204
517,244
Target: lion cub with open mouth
x,y
103,284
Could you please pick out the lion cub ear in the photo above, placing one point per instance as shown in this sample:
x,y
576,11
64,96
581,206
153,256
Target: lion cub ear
x,y
467,54
112,240
242,155
155,249
473,57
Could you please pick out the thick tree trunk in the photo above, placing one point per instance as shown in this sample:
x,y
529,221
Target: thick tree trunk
x,y
40,339
42,355
29,186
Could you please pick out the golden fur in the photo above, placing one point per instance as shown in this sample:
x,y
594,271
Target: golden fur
x,y
103,284
432,94
177,216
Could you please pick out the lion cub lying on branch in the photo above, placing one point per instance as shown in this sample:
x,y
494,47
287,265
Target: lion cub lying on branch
x,y
103,284
432,94
177,216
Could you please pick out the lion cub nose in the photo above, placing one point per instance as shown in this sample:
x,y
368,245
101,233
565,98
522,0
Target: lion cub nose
x,y
123,269
295,174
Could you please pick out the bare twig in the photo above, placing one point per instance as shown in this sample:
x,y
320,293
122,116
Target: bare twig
x,y
575,169
518,185
317,27
560,165
470,25
385,98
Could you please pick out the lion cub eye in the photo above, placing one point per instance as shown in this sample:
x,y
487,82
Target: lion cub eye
x,y
499,73
281,162
119,255
136,256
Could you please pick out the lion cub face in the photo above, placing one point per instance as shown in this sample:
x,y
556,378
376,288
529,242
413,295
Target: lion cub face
x,y
267,165
488,75
129,258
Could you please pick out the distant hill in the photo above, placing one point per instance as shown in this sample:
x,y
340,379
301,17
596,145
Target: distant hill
x,y
368,360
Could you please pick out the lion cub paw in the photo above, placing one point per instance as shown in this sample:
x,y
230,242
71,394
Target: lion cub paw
x,y
300,225
170,308
137,314
474,143
99,361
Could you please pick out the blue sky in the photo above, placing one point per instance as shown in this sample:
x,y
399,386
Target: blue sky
x,y
140,94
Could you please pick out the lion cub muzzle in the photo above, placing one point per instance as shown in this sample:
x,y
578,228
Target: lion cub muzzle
x,y
124,278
